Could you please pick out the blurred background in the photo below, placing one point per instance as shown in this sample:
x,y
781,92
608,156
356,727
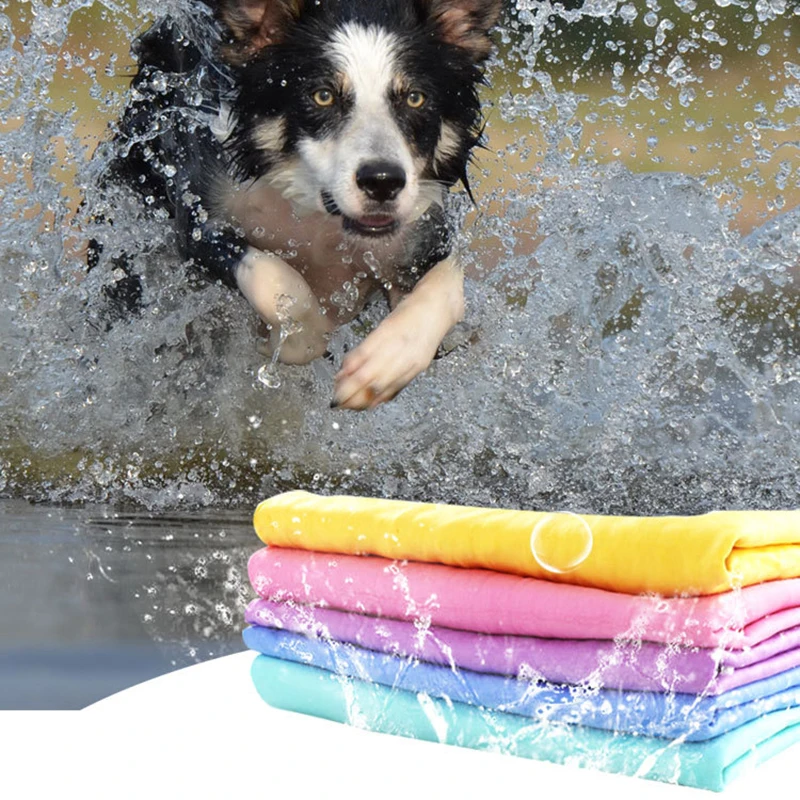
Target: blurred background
x,y
704,88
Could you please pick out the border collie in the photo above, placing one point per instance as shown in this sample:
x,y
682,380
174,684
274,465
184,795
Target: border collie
x,y
305,149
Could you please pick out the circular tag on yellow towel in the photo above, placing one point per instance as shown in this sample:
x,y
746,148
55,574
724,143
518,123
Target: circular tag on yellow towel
x,y
561,542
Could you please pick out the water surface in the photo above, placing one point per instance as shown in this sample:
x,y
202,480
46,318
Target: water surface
x,y
93,601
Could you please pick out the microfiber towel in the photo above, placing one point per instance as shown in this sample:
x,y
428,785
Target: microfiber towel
x,y
670,716
494,602
706,765
705,554
621,664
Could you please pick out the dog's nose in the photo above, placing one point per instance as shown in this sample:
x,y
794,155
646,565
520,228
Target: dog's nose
x,y
380,180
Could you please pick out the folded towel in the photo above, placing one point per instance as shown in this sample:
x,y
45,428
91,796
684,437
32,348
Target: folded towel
x,y
705,554
494,602
706,765
670,716
621,664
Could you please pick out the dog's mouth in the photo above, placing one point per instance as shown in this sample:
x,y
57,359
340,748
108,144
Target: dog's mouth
x,y
370,225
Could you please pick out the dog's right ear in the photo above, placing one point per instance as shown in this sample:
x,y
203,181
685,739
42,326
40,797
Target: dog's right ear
x,y
256,24
465,23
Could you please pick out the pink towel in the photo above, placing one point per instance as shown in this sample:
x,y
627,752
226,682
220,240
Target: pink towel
x,y
640,666
493,602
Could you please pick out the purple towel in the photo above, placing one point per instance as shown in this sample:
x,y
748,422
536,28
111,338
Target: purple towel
x,y
641,666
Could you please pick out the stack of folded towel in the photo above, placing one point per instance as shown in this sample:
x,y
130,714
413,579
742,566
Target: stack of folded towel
x,y
662,647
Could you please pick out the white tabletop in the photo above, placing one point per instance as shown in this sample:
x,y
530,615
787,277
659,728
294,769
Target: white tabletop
x,y
203,731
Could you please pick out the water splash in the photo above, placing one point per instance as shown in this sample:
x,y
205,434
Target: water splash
x,y
626,349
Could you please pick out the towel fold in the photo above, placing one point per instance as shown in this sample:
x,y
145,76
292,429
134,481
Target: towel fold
x,y
498,603
622,664
669,716
708,765
705,554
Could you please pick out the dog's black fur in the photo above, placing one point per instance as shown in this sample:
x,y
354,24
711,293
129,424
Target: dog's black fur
x,y
163,146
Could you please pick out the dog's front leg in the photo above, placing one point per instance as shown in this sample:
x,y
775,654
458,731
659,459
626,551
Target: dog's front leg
x,y
285,302
404,344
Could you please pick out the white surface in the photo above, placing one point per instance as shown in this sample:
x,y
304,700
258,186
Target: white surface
x,y
204,732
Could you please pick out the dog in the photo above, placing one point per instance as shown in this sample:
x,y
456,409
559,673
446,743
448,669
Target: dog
x,y
305,149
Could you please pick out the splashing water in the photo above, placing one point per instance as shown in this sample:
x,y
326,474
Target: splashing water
x,y
626,348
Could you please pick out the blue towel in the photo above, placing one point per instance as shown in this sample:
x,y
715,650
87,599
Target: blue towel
x,y
687,717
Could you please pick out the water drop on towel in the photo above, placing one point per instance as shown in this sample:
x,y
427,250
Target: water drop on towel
x,y
435,716
561,542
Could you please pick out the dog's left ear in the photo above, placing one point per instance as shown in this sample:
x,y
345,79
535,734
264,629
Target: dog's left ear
x,y
256,24
465,23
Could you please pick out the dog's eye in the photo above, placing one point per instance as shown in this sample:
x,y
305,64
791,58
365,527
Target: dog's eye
x,y
415,99
323,97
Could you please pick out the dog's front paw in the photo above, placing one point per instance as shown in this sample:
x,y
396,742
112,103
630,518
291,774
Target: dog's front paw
x,y
384,363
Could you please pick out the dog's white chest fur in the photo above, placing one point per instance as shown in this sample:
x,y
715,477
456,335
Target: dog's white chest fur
x,y
340,271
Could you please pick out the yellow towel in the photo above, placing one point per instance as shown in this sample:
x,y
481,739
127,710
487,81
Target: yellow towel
x,y
705,554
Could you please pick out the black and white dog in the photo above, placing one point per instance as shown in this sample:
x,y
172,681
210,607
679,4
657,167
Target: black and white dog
x,y
304,148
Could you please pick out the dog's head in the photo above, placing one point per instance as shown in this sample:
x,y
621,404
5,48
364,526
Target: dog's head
x,y
361,108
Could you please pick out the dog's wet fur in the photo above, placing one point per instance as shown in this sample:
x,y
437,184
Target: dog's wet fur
x,y
304,149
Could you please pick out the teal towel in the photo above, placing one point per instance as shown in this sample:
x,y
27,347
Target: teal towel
x,y
712,764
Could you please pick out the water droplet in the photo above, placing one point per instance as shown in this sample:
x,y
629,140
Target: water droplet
x,y
372,262
268,376
675,66
159,82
